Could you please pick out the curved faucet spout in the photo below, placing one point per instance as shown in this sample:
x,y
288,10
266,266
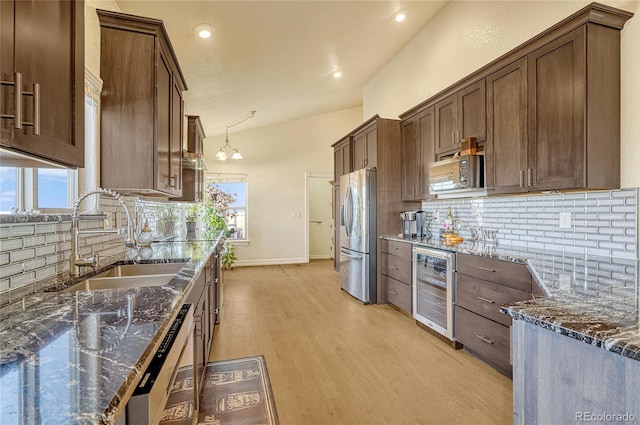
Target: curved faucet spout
x,y
130,241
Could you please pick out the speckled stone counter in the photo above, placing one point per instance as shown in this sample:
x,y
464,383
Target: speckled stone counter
x,y
74,357
589,298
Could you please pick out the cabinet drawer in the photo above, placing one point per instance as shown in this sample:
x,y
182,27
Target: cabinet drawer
x,y
402,249
488,340
485,298
396,267
497,271
398,293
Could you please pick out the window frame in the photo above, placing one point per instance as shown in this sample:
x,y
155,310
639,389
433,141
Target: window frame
x,y
233,178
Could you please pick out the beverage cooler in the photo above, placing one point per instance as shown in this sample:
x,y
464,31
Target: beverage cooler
x,y
433,286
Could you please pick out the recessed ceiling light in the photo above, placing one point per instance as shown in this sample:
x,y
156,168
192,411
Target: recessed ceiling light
x,y
203,30
337,74
400,17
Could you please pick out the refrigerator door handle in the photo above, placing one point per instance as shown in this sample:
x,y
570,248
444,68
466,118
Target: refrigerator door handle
x,y
355,257
348,211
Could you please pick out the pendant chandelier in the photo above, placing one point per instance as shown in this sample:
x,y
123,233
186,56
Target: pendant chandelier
x,y
227,151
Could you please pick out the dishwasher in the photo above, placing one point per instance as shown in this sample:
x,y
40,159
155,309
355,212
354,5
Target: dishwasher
x,y
170,369
433,289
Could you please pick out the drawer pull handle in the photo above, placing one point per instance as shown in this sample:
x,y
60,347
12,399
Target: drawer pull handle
x,y
395,268
486,300
487,269
393,292
485,339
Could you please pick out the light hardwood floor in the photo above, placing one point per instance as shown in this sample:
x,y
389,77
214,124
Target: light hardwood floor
x,y
333,360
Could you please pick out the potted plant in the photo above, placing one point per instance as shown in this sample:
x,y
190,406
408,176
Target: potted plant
x,y
191,217
228,257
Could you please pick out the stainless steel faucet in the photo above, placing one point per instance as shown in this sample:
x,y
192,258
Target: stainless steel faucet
x,y
75,261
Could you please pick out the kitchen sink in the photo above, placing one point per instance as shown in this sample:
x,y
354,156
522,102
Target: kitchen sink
x,y
121,282
141,270
129,276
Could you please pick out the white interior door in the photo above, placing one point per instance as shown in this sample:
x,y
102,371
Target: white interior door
x,y
320,218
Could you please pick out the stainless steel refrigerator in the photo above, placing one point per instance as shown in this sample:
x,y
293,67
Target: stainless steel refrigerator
x,y
358,234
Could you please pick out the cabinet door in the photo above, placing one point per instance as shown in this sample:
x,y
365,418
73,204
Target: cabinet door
x,y
175,152
445,125
471,116
164,108
425,151
557,84
359,151
48,52
409,159
506,147
371,148
342,159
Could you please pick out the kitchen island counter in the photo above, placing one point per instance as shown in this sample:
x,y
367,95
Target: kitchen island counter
x,y
75,357
592,299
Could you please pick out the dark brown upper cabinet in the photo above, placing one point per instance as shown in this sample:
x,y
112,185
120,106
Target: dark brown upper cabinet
x,y
192,162
506,151
554,116
142,107
341,158
42,74
549,109
460,116
365,148
417,151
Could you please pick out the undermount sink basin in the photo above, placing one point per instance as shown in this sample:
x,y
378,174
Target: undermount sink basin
x,y
130,276
122,282
141,270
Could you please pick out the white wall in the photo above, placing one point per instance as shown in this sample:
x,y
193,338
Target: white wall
x,y
276,159
467,35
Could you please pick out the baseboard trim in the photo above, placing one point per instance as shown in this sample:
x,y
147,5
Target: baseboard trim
x,y
270,262
320,257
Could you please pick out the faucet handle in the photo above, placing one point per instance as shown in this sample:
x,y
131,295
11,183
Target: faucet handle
x,y
95,261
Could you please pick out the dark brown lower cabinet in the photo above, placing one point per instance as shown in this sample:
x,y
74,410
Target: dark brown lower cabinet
x,y
482,286
395,273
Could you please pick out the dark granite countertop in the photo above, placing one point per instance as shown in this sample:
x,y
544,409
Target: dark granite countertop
x,y
74,357
593,299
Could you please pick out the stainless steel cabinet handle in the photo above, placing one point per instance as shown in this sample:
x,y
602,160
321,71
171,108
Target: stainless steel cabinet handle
x,y
521,178
36,109
485,339
485,300
173,181
17,100
530,177
393,292
486,269
395,268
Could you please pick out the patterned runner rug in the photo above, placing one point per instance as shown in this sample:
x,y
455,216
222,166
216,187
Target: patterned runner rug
x,y
235,392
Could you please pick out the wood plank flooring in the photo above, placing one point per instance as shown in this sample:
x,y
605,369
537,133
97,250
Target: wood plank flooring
x,y
333,360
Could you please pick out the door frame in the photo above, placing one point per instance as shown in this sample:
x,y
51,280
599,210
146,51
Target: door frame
x,y
307,176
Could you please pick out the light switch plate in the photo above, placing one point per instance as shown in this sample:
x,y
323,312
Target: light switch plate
x,y
565,220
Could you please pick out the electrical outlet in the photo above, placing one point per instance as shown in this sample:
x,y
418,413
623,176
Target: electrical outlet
x,y
564,281
565,220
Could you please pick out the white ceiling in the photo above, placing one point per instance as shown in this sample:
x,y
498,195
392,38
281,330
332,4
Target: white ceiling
x,y
278,57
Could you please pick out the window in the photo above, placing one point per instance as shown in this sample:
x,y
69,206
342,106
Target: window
x,y
36,188
235,185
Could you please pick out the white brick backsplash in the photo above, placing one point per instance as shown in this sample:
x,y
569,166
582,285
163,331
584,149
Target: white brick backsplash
x,y
4,285
44,250
46,228
22,230
34,264
4,258
45,272
19,280
23,254
597,218
11,269
5,231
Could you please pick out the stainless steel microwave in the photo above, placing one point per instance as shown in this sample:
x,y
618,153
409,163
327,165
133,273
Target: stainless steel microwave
x,y
456,174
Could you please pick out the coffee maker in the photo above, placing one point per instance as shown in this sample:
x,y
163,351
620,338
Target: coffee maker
x,y
415,224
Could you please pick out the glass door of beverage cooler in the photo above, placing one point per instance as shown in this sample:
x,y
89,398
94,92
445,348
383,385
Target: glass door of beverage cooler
x,y
433,280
